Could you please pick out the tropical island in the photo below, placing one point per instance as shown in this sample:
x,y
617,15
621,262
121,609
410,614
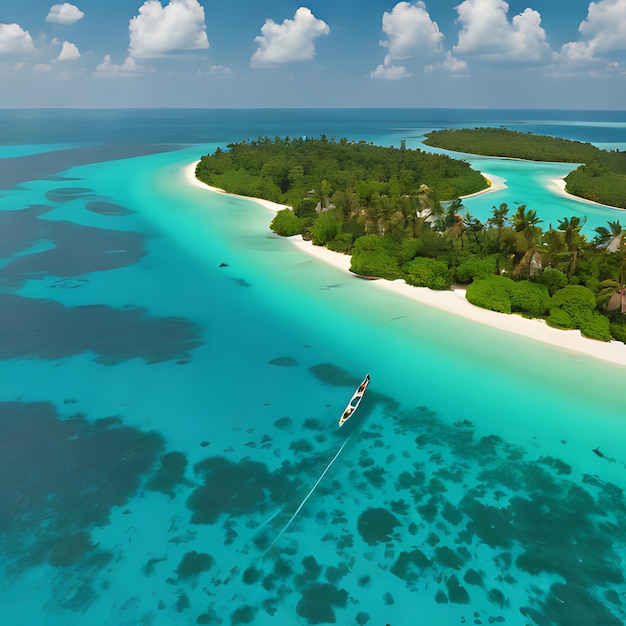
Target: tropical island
x,y
398,212
600,177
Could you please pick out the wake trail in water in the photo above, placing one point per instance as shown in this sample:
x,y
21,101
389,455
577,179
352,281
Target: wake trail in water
x,y
308,495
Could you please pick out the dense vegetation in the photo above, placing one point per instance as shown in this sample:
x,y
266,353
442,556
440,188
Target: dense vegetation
x,y
351,176
509,263
601,177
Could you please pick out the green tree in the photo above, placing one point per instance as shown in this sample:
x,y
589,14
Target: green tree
x,y
286,224
499,219
611,295
573,239
326,227
425,272
611,239
525,222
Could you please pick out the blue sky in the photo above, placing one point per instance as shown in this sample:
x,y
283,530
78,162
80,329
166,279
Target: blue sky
x,y
322,53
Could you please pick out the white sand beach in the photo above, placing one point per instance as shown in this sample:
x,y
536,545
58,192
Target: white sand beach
x,y
496,183
453,301
558,186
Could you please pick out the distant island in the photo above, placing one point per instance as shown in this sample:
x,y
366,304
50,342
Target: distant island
x,y
399,214
601,177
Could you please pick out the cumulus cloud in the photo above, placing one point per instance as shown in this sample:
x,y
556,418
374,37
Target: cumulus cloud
x,y
410,33
450,64
220,69
290,41
390,72
15,40
487,32
108,69
65,14
158,30
604,30
69,52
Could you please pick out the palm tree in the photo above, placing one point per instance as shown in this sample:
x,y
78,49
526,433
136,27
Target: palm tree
x,y
450,218
473,227
553,248
571,228
526,222
610,238
499,219
612,293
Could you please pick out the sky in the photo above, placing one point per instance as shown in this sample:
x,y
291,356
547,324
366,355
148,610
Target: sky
x,y
541,54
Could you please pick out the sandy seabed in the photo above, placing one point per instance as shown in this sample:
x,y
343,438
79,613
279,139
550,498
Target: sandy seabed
x,y
453,301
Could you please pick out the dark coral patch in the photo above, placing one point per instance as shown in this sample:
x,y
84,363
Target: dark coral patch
x,y
37,166
570,605
317,602
332,375
170,474
67,194
194,563
243,615
234,488
250,575
69,550
46,329
310,571
75,249
376,525
61,479
457,594
108,209
409,565
448,558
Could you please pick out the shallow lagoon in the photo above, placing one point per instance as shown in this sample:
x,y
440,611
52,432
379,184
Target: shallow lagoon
x,y
144,484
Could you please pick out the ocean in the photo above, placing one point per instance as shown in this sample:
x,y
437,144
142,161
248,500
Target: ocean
x,y
172,374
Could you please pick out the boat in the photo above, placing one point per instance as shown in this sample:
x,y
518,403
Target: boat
x,y
353,405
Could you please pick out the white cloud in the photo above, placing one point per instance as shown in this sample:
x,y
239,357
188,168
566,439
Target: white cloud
x,y
107,69
42,68
159,30
487,32
220,69
410,31
450,64
290,41
15,40
69,52
604,30
390,72
65,14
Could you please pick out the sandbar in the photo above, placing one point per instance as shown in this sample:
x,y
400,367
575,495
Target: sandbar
x,y
453,301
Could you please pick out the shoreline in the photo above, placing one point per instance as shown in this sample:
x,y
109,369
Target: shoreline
x,y
452,301
496,183
558,186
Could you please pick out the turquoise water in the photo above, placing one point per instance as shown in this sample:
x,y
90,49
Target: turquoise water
x,y
171,376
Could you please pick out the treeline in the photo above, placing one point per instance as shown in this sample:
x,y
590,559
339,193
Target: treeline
x,y
601,178
510,264
513,144
353,177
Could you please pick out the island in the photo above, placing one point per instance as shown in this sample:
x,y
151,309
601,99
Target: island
x,y
399,214
600,177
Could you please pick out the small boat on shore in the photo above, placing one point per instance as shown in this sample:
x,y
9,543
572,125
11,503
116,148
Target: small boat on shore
x,y
353,405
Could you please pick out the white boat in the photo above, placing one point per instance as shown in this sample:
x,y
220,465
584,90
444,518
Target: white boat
x,y
353,405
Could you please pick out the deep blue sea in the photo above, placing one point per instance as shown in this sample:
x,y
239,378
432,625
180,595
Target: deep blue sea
x,y
172,373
